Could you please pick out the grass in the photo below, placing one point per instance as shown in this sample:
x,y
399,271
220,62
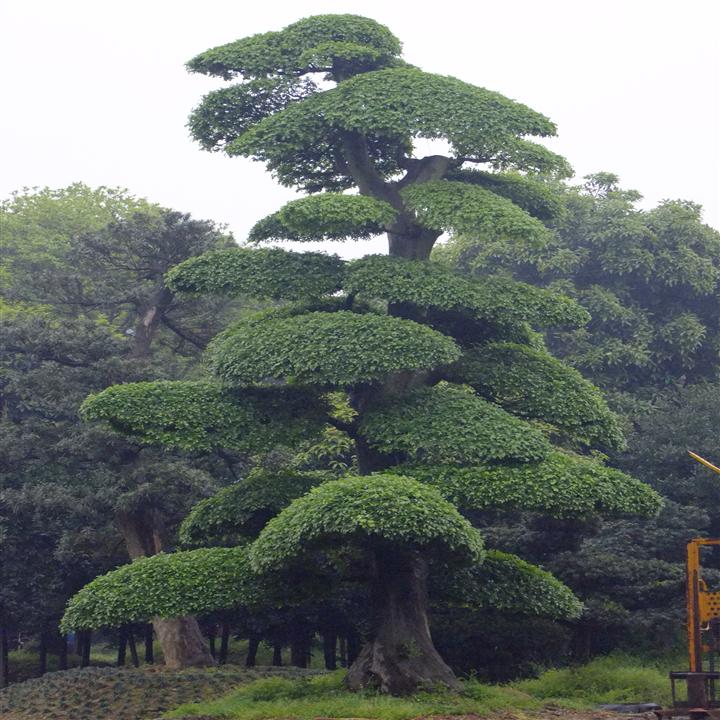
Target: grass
x,y
236,693
616,678
325,696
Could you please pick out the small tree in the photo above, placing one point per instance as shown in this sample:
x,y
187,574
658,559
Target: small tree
x,y
454,402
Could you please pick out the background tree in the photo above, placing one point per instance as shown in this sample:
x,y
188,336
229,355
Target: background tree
x,y
329,106
649,281
84,307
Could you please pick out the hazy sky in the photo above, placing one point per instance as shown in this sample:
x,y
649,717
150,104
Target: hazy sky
x,y
96,90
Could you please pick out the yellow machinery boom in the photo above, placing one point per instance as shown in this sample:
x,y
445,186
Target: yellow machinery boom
x,y
703,621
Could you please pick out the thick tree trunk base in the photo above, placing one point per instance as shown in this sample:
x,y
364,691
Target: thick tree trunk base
x,y
182,642
384,668
400,658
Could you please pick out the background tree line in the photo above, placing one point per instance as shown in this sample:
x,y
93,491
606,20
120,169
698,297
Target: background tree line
x,y
81,277
649,279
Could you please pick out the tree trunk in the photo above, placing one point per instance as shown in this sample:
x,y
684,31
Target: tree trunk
x,y
182,643
211,642
330,650
122,646
149,650
299,652
133,648
63,653
224,643
343,652
180,638
353,647
251,659
42,664
4,652
149,321
86,647
277,655
400,657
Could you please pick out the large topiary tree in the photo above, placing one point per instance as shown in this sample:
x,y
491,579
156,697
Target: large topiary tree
x,y
453,402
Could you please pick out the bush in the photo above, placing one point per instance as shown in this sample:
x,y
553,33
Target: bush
x,y
614,678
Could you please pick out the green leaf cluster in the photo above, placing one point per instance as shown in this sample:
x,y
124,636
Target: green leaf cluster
x,y
326,216
327,349
259,272
533,384
377,508
505,583
561,485
451,206
193,582
202,416
404,102
434,285
239,511
450,424
296,49
537,197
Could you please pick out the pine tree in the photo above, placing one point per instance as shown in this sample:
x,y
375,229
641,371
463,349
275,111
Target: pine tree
x,y
453,402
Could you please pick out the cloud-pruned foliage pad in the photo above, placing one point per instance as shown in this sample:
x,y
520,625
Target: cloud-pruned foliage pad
x,y
238,512
539,199
469,209
327,216
512,302
288,51
165,585
533,384
429,284
327,349
398,101
259,272
506,583
203,416
368,509
563,485
450,424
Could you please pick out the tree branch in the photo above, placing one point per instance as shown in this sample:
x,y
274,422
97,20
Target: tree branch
x,y
420,170
187,335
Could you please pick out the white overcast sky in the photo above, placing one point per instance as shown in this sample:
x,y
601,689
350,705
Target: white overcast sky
x,y
96,90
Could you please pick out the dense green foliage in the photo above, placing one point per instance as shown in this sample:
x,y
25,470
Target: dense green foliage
x,y
561,485
506,583
318,348
448,423
649,279
286,52
431,285
380,508
83,306
460,207
165,585
329,216
238,512
204,416
537,197
264,273
533,384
